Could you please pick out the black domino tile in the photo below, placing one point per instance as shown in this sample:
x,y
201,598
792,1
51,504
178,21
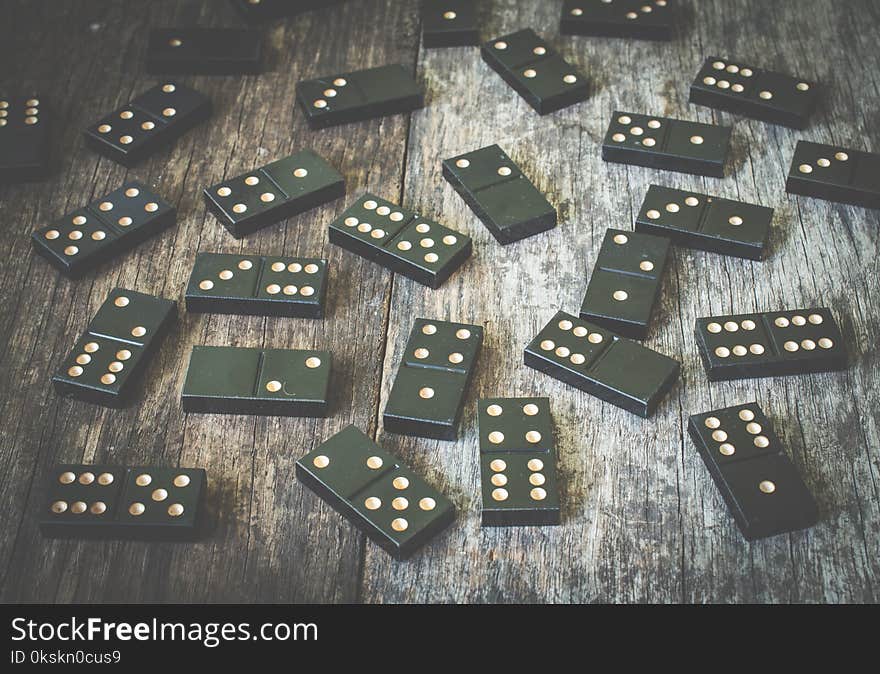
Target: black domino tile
x,y
263,382
758,481
635,19
110,502
518,474
203,51
771,344
109,358
356,96
428,393
533,69
752,92
253,285
24,139
498,193
375,492
148,123
88,237
625,283
449,23
400,240
835,174
612,368
667,144
275,192
704,222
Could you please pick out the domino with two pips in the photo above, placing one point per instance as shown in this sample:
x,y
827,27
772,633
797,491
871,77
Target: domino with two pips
x,y
280,190
626,282
635,19
751,92
518,476
263,382
360,95
375,492
253,285
204,51
148,123
24,139
536,71
400,240
771,344
667,144
612,368
835,174
113,502
498,193
758,481
704,222
428,393
88,237
110,357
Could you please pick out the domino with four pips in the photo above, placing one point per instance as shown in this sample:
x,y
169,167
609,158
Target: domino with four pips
x,y
535,70
428,393
272,193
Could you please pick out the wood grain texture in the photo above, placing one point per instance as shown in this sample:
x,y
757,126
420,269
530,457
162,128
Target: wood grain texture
x,y
642,520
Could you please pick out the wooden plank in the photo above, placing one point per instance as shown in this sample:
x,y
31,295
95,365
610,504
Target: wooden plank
x,y
642,520
272,540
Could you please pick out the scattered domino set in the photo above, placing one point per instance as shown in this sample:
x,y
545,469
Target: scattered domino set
x,y
595,352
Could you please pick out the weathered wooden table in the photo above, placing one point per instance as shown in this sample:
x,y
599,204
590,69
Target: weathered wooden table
x,y
642,519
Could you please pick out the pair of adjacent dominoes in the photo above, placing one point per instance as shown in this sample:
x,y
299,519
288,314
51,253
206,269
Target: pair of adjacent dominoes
x,y
770,344
87,237
148,123
449,23
203,51
639,19
758,481
265,382
374,491
535,71
253,285
518,463
612,368
360,95
428,393
401,240
266,10
669,144
272,193
115,349
498,193
24,139
626,281
146,502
